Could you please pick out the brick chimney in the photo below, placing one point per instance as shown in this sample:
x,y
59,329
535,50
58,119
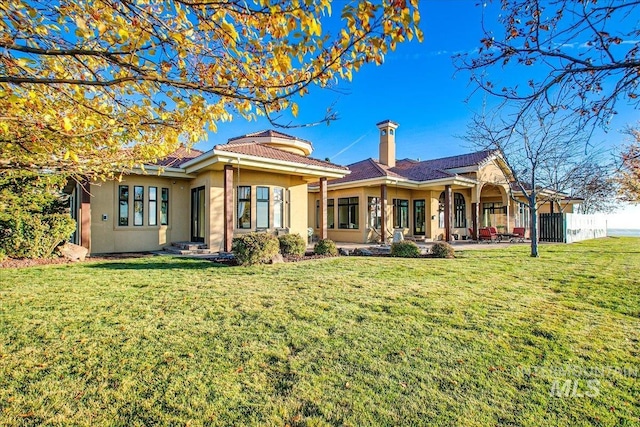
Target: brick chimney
x,y
387,142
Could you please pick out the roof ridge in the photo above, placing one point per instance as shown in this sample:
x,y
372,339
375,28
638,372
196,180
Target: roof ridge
x,y
377,166
267,133
444,171
268,147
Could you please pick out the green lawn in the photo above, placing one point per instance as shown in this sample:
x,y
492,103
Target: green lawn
x,y
489,338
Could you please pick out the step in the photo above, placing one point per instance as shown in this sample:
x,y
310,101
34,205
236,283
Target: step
x,y
179,251
189,246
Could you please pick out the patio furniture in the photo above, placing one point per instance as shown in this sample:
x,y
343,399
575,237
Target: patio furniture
x,y
518,233
488,234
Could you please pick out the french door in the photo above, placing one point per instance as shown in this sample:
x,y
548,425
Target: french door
x,y
419,217
198,219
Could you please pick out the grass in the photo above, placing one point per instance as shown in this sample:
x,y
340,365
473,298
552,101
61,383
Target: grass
x,y
480,340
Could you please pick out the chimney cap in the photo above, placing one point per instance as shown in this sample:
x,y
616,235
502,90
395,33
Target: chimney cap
x,y
387,123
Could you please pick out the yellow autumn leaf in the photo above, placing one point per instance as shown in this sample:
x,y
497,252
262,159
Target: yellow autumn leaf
x,y
66,124
123,33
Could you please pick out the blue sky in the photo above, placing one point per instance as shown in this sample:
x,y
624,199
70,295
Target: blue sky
x,y
415,87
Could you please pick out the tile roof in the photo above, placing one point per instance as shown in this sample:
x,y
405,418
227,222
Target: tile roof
x,y
366,169
260,150
264,134
413,170
178,157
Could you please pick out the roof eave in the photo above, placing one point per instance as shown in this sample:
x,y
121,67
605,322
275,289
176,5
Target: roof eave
x,y
162,171
226,157
404,182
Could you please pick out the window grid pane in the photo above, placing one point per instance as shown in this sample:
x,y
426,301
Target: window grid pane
x,y
375,212
400,213
262,207
348,212
138,205
278,207
153,205
331,213
244,207
123,212
164,207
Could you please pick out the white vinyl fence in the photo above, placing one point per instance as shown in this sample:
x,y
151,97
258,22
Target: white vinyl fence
x,y
583,227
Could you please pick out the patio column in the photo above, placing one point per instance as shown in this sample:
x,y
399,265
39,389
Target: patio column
x,y
474,221
448,212
228,207
323,208
383,213
85,216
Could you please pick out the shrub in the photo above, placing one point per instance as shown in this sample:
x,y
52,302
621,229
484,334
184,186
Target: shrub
x,y
35,235
405,249
325,247
255,248
33,218
292,244
442,250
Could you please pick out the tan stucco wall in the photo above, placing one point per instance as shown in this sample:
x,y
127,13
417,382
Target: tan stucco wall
x,y
107,236
364,234
295,206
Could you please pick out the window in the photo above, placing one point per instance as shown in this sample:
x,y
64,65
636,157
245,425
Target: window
x,y
262,207
459,211
523,216
441,210
348,212
278,207
374,217
317,213
153,205
493,214
244,207
138,205
123,198
400,213
331,213
164,207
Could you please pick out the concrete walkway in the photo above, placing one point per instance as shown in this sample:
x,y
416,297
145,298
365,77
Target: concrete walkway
x,y
460,245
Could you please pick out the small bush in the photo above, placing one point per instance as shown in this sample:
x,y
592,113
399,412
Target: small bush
x,y
405,249
442,250
33,214
255,248
326,247
34,235
292,245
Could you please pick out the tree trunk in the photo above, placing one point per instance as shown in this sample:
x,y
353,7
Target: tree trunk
x,y
533,210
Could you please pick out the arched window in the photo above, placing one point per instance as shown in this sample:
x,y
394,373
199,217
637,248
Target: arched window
x,y
459,211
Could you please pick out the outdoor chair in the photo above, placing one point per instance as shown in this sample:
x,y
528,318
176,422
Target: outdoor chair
x,y
518,232
488,234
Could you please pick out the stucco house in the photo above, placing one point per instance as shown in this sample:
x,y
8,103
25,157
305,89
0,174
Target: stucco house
x,y
267,181
255,182
438,199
